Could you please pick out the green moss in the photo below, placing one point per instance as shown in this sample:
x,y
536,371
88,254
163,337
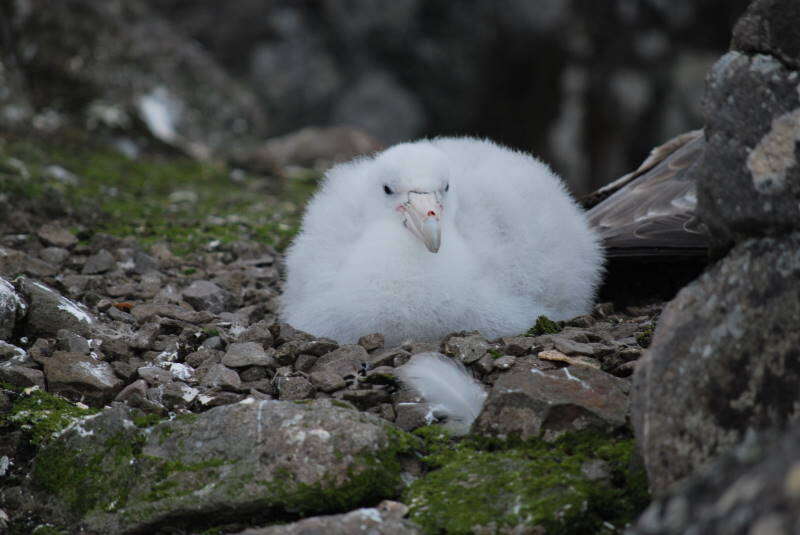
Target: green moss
x,y
146,420
165,486
645,337
100,479
176,200
41,414
373,476
544,325
188,417
488,482
495,354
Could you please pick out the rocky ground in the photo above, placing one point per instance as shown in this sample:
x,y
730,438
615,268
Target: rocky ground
x,y
155,306
146,387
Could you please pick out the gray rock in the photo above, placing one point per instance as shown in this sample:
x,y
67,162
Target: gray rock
x,y
288,352
12,263
215,343
249,354
144,263
154,375
148,311
56,235
205,295
41,350
382,375
505,362
54,255
371,342
121,290
203,355
253,374
529,401
153,80
571,347
178,395
770,26
243,457
366,398
22,376
49,311
293,387
753,489
388,357
310,147
327,381
135,389
219,398
283,332
14,355
118,315
749,182
76,375
692,400
146,336
304,363
73,343
386,519
99,262
12,309
466,347
347,361
521,345
485,365
258,332
220,376
182,372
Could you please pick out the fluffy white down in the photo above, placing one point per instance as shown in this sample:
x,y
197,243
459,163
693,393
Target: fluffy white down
x,y
447,388
514,246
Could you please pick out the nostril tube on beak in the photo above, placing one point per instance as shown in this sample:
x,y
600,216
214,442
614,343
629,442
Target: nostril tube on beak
x,y
431,213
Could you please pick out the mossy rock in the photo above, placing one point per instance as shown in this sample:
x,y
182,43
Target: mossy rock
x,y
263,461
492,484
41,414
544,325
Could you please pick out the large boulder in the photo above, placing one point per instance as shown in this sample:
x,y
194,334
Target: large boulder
x,y
754,489
118,65
252,460
724,360
749,183
770,25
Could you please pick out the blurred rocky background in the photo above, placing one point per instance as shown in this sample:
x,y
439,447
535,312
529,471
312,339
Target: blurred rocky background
x,y
590,86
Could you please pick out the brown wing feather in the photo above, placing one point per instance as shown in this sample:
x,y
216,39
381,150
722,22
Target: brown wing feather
x,y
653,212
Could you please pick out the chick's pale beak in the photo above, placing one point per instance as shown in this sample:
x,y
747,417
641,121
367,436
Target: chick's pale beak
x,y
423,213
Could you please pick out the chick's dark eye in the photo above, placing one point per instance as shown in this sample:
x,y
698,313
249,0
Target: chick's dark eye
x,y
447,187
387,190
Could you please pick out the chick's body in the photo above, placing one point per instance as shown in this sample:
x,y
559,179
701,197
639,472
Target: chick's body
x,y
514,246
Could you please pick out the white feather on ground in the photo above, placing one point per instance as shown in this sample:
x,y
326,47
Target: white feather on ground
x,y
447,387
513,246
